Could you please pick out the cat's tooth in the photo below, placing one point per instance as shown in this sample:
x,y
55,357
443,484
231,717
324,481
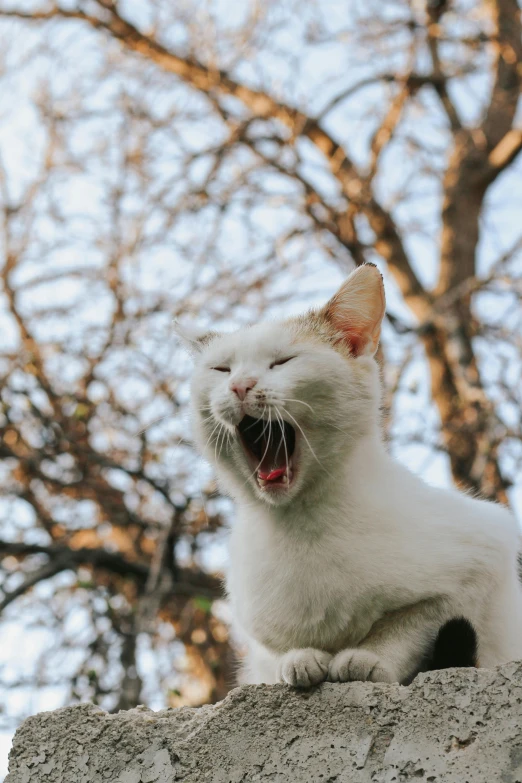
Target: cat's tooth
x,y
285,479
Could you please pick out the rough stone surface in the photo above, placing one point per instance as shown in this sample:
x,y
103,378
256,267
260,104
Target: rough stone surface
x,y
456,726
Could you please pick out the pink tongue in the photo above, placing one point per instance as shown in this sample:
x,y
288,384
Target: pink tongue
x,y
274,474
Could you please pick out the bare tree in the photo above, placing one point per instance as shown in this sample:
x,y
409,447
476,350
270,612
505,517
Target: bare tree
x,y
185,162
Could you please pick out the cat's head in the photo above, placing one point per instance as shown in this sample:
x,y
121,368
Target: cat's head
x,y
276,406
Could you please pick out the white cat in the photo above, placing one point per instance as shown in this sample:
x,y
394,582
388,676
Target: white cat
x,y
343,564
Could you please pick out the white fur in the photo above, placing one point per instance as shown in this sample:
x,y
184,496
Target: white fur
x,y
350,574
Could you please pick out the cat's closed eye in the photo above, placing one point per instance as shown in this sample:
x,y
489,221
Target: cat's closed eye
x,y
278,362
221,368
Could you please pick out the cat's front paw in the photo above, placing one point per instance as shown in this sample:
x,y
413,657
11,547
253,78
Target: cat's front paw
x,y
304,668
360,665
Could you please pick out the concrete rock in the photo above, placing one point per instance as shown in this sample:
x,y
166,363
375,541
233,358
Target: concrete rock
x,y
456,726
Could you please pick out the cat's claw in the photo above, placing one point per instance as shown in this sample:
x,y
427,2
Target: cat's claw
x,y
304,668
359,665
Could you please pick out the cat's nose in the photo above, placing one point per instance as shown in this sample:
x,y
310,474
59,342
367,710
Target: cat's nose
x,y
242,387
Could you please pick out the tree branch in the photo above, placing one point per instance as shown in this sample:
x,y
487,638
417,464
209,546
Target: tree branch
x,y
187,582
508,74
47,571
213,81
506,150
439,80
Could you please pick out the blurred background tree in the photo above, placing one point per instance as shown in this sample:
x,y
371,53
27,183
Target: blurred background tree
x,y
219,162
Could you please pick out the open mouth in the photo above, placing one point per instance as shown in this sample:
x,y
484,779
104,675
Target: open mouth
x,y
269,448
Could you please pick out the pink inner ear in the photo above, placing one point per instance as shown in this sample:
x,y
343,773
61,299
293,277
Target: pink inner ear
x,y
357,309
356,342
351,335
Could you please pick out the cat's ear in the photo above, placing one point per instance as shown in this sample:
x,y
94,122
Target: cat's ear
x,y
193,339
357,309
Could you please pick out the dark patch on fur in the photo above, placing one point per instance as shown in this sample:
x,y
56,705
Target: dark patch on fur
x,y
455,645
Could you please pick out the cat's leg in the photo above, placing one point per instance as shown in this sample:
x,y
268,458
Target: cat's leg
x,y
259,666
303,668
300,668
500,626
395,647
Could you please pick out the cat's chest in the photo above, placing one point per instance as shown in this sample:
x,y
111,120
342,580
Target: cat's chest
x,y
290,593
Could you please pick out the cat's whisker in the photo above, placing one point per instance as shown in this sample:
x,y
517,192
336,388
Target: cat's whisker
x,y
264,427
280,418
220,426
339,429
217,446
254,472
300,402
217,426
254,422
306,439
330,424
211,434
225,440
282,400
